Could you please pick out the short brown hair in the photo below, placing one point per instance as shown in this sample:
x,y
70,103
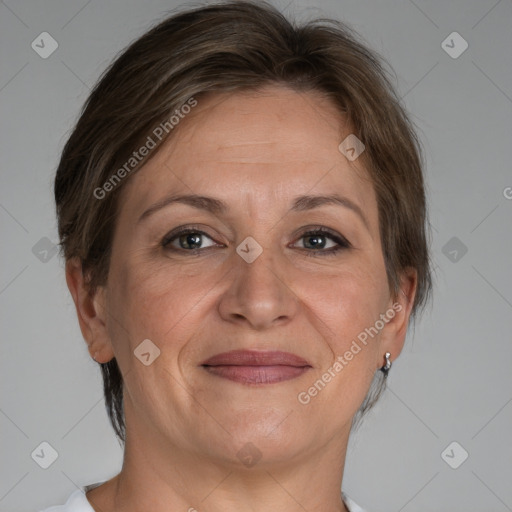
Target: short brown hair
x,y
238,46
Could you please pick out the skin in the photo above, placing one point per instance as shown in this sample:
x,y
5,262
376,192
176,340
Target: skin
x,y
256,152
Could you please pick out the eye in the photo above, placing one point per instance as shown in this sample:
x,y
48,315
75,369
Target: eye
x,y
317,241
186,239
322,241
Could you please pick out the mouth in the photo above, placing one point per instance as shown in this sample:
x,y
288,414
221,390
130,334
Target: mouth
x,y
255,367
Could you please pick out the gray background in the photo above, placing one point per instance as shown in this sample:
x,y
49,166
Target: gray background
x,y
453,380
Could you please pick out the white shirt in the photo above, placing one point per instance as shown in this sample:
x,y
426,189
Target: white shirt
x,y
78,502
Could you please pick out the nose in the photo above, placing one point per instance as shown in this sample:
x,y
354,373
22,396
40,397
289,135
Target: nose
x,y
259,295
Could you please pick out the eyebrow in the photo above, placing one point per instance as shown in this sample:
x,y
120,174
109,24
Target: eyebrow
x,y
218,207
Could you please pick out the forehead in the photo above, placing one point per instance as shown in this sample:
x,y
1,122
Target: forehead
x,y
257,127
265,145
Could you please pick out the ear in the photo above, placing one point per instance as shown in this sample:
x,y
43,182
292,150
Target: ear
x,y
91,311
394,332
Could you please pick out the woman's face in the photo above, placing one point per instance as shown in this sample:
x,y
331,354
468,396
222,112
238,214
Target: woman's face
x,y
210,291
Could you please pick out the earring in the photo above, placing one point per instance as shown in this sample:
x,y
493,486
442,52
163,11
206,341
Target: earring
x,y
387,366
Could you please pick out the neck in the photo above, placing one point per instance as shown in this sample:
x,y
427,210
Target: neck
x,y
160,476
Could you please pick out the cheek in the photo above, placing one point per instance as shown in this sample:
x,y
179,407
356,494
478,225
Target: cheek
x,y
344,304
152,301
155,298
344,308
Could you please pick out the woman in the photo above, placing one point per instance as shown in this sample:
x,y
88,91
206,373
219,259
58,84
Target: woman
x,y
242,212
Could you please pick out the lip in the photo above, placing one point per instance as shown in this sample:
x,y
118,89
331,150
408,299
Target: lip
x,y
256,367
256,358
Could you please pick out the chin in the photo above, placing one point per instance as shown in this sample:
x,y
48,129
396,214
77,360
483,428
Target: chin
x,y
264,439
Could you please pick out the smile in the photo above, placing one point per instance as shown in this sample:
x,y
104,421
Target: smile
x,y
254,367
257,374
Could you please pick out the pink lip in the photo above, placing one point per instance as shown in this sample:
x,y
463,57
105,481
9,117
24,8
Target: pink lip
x,y
255,367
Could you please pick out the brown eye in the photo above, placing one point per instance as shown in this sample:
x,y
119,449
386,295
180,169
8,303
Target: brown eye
x,y
186,240
321,241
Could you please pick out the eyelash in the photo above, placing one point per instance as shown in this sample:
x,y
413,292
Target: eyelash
x,y
342,242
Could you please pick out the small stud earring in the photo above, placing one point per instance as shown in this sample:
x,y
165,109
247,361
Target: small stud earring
x,y
387,366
